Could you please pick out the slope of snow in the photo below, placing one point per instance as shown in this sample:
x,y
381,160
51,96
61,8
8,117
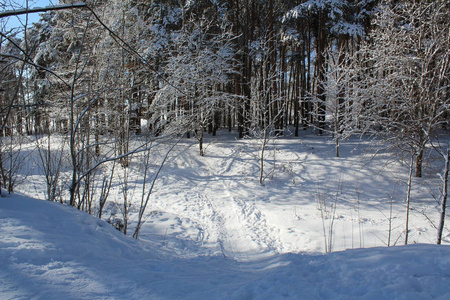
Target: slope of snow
x,y
311,201
52,251
212,231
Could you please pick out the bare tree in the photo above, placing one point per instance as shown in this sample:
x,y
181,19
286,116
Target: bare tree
x,y
51,162
340,95
444,192
407,80
197,70
151,180
404,72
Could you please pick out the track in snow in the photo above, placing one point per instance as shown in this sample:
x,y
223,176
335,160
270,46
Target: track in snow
x,y
221,222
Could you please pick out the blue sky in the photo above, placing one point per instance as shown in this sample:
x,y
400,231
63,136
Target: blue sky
x,y
18,21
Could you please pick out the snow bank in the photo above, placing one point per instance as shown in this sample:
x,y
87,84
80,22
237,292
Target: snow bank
x,y
52,251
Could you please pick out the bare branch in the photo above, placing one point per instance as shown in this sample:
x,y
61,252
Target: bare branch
x,y
17,12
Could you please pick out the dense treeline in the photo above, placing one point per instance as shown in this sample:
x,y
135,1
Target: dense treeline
x,y
265,61
209,64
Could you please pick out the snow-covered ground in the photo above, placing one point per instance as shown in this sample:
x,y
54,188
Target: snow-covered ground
x,y
212,231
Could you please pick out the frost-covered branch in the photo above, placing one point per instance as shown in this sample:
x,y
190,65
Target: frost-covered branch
x,y
23,11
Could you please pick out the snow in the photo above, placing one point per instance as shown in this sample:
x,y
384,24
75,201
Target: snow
x,y
334,7
213,232
51,251
334,10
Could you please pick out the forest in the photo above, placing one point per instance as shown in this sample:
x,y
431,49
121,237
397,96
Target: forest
x,y
103,84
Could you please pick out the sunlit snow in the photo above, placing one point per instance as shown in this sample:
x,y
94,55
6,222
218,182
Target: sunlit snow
x,y
213,232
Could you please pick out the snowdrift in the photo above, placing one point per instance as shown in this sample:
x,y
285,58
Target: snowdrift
x,y
52,251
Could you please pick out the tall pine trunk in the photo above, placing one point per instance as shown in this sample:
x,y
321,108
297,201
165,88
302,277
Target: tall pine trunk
x,y
320,71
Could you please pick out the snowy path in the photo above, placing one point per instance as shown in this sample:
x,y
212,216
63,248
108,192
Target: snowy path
x,y
214,205
226,223
212,231
51,251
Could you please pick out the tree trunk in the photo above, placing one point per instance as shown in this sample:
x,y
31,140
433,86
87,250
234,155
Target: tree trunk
x,y
200,142
408,197
444,197
296,98
320,65
261,159
419,161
